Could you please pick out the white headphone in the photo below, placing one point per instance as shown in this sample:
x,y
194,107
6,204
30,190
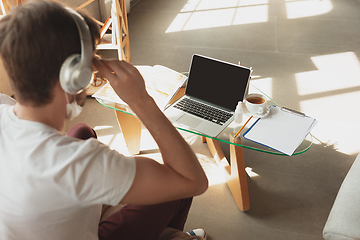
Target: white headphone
x,y
76,71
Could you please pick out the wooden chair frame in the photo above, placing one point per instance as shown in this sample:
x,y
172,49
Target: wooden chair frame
x,y
6,5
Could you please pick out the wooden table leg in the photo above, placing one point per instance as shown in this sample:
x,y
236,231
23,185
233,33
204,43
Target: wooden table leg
x,y
234,172
131,129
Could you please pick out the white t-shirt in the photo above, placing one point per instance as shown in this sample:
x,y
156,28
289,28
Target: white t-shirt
x,y
5,99
52,186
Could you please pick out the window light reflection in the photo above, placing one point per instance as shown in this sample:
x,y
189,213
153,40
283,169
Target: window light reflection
x,y
334,72
307,8
264,84
338,118
330,94
250,172
201,14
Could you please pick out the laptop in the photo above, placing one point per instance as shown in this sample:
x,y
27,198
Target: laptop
x,y
213,90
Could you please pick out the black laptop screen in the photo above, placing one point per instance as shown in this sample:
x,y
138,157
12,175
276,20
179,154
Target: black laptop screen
x,y
217,82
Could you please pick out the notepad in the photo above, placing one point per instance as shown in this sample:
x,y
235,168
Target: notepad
x,y
282,130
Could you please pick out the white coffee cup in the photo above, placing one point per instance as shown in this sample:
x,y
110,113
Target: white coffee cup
x,y
256,103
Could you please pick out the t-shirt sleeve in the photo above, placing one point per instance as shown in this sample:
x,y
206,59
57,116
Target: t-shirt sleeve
x,y
97,174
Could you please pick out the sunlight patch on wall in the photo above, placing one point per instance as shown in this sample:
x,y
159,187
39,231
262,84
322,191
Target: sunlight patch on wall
x,y
102,127
335,71
202,14
199,5
210,19
338,117
103,135
263,84
307,8
250,172
331,95
251,14
114,141
212,170
106,139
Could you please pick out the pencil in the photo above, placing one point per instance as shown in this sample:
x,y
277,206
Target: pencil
x,y
242,127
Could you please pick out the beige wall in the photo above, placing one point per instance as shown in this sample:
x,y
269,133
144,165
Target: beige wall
x,y
4,81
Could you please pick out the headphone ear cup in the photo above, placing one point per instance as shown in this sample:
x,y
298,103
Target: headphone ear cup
x,y
73,78
76,71
66,71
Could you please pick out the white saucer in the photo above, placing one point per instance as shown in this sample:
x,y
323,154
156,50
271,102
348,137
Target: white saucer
x,y
257,115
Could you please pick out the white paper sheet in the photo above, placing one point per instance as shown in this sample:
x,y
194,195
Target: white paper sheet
x,y
281,130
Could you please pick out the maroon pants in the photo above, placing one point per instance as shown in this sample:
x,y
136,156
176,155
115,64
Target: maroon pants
x,y
138,222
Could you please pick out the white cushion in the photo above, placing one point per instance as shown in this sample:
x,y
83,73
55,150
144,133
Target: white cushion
x,y
344,219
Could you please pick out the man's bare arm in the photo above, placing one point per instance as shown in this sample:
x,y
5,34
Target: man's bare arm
x,y
181,175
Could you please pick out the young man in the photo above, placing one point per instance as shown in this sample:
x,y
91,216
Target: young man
x,y
53,186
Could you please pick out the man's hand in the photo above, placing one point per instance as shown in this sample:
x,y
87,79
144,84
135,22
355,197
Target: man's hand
x,y
125,79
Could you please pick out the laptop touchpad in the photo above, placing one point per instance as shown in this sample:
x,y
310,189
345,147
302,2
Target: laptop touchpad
x,y
189,120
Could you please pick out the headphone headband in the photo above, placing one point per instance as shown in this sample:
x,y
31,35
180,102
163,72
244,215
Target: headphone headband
x,y
76,71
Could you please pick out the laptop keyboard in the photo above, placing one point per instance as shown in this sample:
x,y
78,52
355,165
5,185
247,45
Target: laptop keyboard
x,y
204,111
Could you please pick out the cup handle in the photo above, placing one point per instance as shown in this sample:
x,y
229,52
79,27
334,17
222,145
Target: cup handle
x,y
261,110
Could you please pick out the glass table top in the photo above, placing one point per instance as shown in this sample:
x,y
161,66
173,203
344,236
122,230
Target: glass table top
x,y
231,130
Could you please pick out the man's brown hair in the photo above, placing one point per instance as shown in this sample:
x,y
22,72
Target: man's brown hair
x,y
35,39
